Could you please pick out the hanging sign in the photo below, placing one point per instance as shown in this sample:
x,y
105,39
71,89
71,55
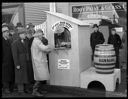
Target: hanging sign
x,y
63,64
62,24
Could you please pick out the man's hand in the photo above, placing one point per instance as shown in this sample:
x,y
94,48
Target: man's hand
x,y
18,67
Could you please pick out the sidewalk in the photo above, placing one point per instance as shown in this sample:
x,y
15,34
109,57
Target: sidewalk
x,y
64,91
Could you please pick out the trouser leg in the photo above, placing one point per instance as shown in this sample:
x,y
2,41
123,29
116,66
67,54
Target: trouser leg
x,y
36,86
35,89
11,86
6,88
92,58
117,59
20,87
6,85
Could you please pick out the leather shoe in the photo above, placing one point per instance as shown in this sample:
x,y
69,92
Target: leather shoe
x,y
43,92
37,94
28,91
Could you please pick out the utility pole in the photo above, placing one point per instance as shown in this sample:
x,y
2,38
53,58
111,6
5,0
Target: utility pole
x,y
53,7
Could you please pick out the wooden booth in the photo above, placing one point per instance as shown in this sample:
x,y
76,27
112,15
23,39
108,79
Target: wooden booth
x,y
72,53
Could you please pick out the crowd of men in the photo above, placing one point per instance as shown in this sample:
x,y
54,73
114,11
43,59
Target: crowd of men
x,y
24,59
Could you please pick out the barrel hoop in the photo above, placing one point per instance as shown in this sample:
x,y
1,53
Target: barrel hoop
x,y
104,49
104,55
102,45
100,66
109,70
104,64
104,68
105,72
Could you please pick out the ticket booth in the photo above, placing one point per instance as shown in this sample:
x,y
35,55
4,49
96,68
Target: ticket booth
x,y
72,52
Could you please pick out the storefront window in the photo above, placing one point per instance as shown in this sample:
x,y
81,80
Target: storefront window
x,y
6,18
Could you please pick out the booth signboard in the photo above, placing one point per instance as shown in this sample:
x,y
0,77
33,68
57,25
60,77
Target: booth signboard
x,y
62,24
63,64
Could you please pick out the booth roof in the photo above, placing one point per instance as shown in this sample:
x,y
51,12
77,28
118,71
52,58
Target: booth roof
x,y
74,20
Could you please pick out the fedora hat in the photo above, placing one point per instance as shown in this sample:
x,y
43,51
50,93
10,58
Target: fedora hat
x,y
95,25
21,31
39,32
5,28
19,25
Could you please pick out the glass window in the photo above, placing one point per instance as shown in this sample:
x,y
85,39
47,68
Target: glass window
x,y
63,38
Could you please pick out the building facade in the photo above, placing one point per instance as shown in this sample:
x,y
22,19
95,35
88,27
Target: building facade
x,y
34,12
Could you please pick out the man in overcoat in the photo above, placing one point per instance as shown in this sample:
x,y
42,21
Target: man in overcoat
x,y
7,61
96,38
39,60
21,58
115,40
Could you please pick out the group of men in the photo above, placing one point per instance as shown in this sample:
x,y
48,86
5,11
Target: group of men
x,y
98,38
24,59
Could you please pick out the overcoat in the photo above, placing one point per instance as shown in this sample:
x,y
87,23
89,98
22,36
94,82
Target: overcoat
x,y
7,62
96,38
30,68
115,40
39,60
21,58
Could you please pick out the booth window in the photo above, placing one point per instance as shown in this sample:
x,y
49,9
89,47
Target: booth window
x,y
62,38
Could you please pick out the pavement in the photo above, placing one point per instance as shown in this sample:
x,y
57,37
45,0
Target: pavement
x,y
63,91
49,94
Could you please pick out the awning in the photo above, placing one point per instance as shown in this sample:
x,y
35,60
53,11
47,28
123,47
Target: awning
x,y
122,13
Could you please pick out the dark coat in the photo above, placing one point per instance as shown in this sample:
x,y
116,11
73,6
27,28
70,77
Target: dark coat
x,y
30,67
96,38
21,58
15,36
116,41
7,62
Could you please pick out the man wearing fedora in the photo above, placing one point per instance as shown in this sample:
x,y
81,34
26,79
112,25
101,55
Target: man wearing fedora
x,y
96,38
7,61
21,57
115,40
18,27
39,60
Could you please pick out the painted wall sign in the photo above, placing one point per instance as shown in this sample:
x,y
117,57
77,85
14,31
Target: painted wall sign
x,y
97,16
92,8
118,6
62,24
106,9
97,7
63,64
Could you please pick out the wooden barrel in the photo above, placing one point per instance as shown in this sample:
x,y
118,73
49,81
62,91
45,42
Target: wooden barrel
x,y
104,58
